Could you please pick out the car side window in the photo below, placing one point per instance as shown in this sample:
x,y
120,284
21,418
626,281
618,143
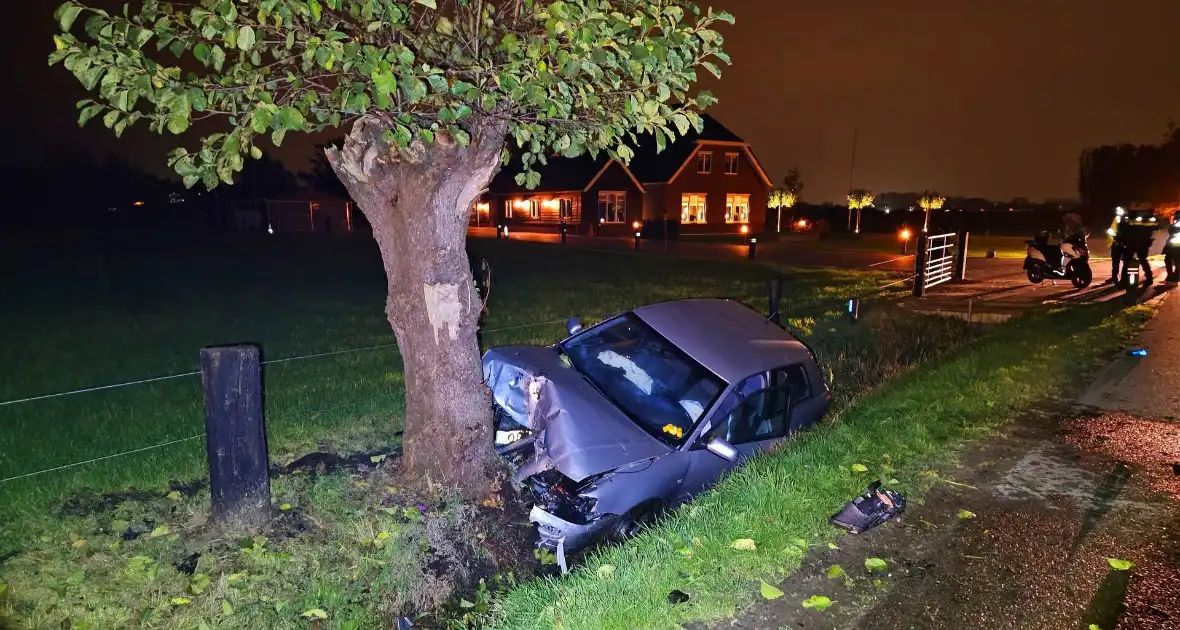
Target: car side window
x,y
763,415
794,378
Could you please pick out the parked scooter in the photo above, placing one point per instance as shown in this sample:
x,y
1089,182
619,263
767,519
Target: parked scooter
x,y
1069,260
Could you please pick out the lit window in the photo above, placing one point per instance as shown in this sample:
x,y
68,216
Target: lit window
x,y
508,205
534,209
704,162
692,208
612,206
566,208
737,208
731,163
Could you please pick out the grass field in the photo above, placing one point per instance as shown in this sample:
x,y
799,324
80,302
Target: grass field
x,y
96,311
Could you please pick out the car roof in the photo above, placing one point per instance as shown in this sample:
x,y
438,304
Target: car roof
x,y
728,338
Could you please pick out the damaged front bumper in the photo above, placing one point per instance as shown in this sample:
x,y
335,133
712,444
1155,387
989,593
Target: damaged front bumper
x,y
554,530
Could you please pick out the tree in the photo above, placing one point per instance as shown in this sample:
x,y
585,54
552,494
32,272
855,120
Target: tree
x,y
430,91
929,200
786,196
858,200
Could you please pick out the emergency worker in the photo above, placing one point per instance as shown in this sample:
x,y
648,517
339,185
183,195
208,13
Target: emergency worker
x,y
1172,249
1137,231
1116,245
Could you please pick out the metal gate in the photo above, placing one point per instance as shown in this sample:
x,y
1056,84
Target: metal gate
x,y
936,261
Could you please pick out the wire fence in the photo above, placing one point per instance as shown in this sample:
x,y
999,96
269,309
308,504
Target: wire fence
x,y
147,381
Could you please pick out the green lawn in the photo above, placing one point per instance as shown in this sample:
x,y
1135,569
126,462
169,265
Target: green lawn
x,y
110,310
779,503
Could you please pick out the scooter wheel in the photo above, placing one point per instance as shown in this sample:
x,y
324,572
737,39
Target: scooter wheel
x,y
1035,276
1082,276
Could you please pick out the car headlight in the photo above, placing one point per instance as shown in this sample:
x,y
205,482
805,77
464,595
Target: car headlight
x,y
1110,232
1175,240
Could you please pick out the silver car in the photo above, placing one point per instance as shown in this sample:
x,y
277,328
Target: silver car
x,y
644,410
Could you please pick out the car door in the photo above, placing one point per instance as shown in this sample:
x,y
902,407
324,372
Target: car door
x,y
749,421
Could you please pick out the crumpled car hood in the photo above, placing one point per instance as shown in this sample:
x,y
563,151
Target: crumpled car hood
x,y
580,431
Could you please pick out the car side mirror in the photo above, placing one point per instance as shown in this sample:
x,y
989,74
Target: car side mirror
x,y
574,325
722,449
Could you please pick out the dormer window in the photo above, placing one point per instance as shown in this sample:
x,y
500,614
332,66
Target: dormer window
x,y
705,162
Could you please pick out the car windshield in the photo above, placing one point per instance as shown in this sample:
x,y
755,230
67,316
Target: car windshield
x,y
652,381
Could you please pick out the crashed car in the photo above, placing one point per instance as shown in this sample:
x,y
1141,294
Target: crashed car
x,y
641,412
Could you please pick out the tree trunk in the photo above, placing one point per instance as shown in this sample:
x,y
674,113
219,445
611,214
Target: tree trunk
x,y
418,201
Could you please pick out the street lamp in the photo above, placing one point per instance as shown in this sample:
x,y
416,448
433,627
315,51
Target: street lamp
x,y
905,240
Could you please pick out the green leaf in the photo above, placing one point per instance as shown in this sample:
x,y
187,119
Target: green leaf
x,y
87,113
818,602
174,495
226,607
800,543
384,82
651,108
68,13
315,613
875,564
111,118
178,124
966,514
833,546
770,592
402,136
1120,565
835,571
3,589
1094,626
160,531
681,122
744,544
218,56
256,153
260,120
181,601
860,468
246,37
427,3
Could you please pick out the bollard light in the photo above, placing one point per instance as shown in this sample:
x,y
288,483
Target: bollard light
x,y
635,225
854,309
505,232
564,229
905,240
753,249
637,235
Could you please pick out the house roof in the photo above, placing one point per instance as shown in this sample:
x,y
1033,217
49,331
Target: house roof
x,y
651,166
559,175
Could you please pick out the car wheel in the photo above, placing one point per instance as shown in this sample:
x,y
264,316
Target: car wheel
x,y
640,516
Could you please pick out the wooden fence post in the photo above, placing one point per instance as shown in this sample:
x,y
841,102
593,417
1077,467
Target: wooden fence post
x,y
961,256
235,437
920,255
774,289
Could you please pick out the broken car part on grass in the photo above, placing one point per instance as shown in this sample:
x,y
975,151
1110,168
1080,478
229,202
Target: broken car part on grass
x,y
645,410
869,510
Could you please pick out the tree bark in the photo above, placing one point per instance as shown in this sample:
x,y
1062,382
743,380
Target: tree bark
x,y
418,201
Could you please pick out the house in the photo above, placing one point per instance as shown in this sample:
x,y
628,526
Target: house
x,y
308,210
708,182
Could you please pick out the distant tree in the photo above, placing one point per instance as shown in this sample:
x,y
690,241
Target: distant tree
x,y
430,91
929,200
321,176
858,200
786,196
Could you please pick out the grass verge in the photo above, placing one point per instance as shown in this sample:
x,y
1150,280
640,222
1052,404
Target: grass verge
x,y
781,501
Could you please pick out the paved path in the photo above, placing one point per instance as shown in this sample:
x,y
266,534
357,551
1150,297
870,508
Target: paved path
x,y
1145,386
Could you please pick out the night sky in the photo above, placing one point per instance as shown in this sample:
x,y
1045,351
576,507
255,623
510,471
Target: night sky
x,y
991,98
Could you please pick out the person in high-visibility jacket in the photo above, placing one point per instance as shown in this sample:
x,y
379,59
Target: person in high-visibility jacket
x,y
1115,240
